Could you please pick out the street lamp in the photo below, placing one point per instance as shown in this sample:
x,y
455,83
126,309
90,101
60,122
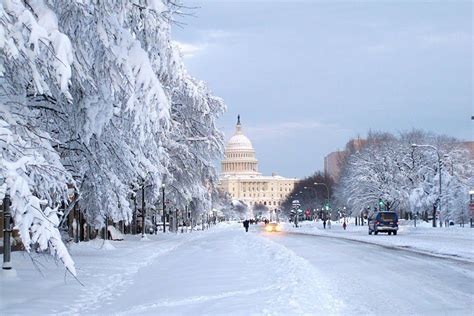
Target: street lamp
x,y
164,207
315,193
327,191
143,209
7,230
325,185
155,218
314,190
438,204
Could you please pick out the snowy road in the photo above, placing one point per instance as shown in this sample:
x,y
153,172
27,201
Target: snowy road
x,y
377,280
227,271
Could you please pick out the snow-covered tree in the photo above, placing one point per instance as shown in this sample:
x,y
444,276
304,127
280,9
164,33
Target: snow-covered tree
x,y
35,58
95,95
240,210
391,170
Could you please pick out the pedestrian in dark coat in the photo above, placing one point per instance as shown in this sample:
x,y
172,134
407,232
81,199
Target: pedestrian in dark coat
x,y
324,223
344,225
246,225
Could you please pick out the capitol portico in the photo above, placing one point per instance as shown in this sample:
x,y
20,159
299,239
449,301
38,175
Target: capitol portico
x,y
241,179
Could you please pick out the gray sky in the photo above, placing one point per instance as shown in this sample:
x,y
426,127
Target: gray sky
x,y
306,76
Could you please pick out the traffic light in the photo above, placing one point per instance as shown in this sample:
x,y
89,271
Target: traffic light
x,y
381,204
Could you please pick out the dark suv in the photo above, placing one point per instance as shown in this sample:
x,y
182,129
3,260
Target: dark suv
x,y
386,222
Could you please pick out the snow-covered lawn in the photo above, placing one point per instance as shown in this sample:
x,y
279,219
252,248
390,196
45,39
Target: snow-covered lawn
x,y
452,242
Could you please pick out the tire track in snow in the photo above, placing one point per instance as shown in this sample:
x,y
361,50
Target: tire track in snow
x,y
300,287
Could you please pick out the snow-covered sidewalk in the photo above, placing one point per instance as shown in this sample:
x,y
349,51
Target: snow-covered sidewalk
x,y
448,242
220,271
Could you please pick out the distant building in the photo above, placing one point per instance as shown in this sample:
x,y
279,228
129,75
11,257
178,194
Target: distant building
x,y
470,147
333,162
241,179
355,145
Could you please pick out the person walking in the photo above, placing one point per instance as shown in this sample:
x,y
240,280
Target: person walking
x,y
324,223
246,225
344,225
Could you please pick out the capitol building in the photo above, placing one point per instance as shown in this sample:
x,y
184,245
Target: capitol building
x,y
241,179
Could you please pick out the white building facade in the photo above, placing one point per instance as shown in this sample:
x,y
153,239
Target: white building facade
x,y
241,179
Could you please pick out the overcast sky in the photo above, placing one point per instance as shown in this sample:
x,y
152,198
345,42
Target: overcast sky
x,y
306,76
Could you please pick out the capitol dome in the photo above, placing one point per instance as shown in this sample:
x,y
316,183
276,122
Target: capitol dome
x,y
239,141
239,154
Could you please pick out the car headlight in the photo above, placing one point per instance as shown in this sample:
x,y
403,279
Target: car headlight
x,y
268,228
278,228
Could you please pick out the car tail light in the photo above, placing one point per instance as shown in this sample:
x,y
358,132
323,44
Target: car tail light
x,y
377,223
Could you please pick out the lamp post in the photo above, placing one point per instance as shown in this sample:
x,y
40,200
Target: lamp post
x,y
134,215
176,215
156,216
325,185
189,221
438,204
315,192
327,192
143,209
164,207
7,231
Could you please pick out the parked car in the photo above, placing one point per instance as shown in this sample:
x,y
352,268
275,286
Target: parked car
x,y
272,227
385,222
